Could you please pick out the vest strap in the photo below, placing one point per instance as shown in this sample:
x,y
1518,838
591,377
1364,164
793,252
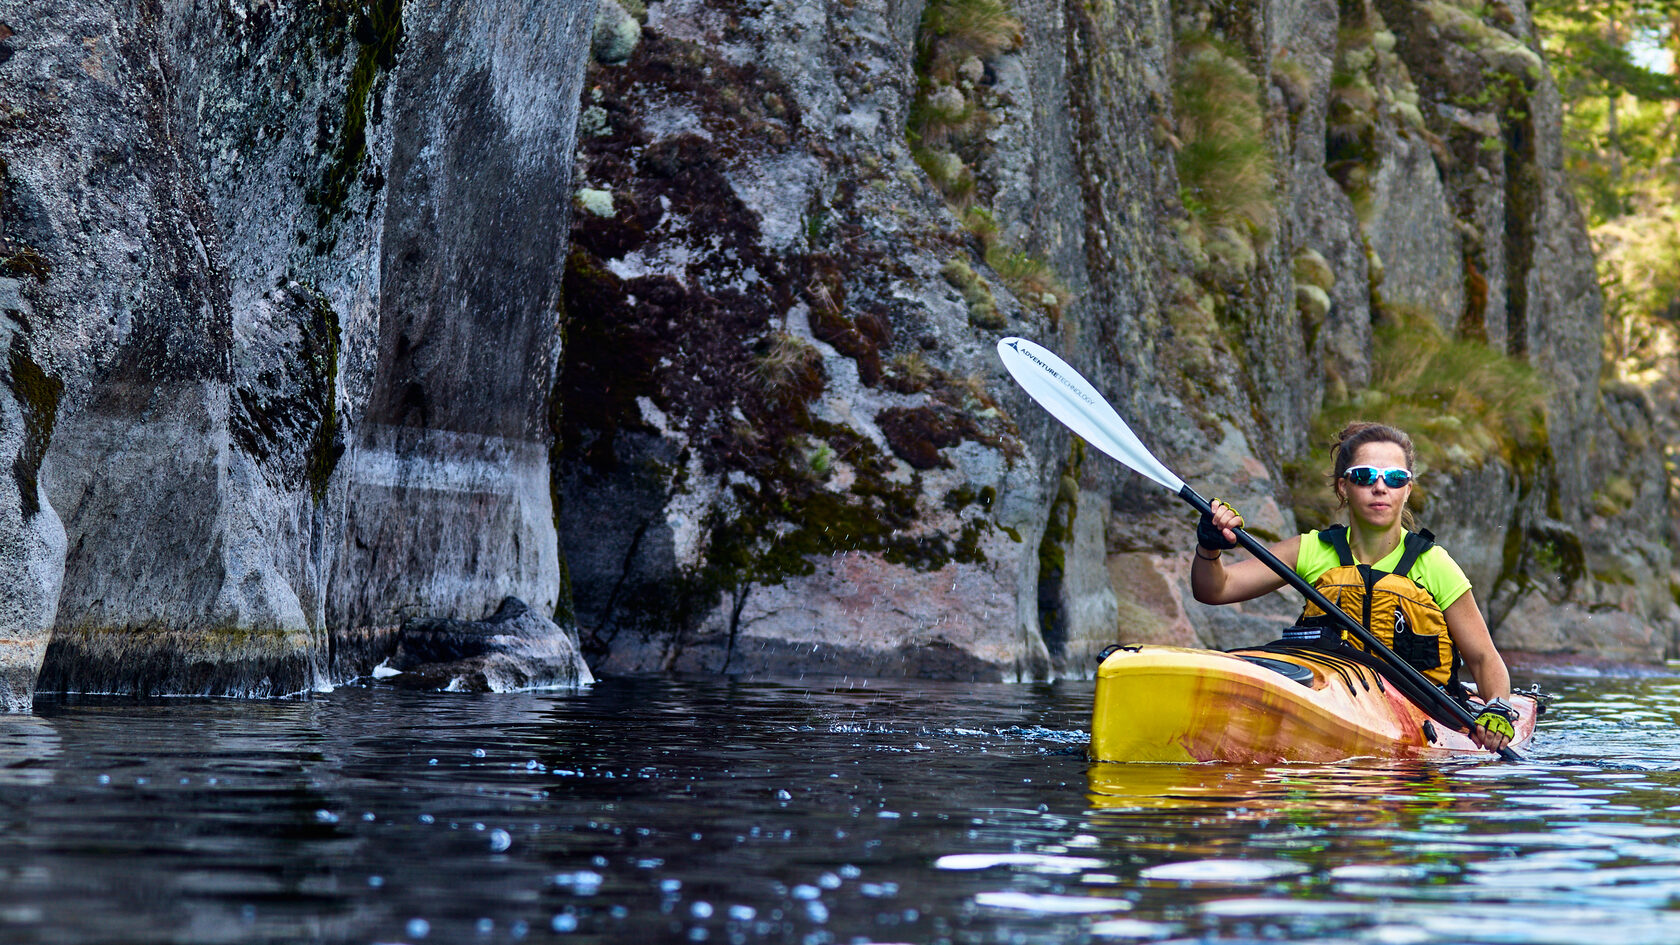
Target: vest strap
x,y
1415,543
1336,537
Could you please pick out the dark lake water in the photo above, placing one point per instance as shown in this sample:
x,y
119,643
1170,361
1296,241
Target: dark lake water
x,y
649,810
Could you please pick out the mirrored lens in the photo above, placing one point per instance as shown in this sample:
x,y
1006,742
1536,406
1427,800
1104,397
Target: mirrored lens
x,y
1394,477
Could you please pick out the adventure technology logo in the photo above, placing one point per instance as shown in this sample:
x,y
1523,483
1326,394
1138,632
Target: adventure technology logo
x,y
1046,368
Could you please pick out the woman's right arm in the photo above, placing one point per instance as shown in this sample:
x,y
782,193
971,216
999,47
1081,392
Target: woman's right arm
x,y
1213,582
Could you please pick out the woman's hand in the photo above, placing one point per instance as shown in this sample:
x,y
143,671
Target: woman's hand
x,y
1496,725
1218,531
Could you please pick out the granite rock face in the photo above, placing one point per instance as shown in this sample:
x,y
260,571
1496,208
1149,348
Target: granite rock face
x,y
296,322
765,214
676,321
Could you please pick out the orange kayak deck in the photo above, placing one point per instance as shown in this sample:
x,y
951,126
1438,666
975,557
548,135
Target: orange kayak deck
x,y
1173,704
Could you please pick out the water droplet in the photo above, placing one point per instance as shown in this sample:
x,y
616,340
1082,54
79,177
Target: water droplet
x,y
478,753
828,881
782,795
803,891
427,819
743,913
486,926
375,882
500,840
563,922
701,910
419,928
326,817
670,885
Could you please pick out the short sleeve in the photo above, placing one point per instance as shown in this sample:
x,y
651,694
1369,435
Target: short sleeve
x,y
1437,573
1314,558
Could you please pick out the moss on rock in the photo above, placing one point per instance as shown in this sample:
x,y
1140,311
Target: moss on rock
x,y
377,28
38,394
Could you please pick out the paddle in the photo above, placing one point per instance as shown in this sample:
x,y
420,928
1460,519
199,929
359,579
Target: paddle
x,y
1071,399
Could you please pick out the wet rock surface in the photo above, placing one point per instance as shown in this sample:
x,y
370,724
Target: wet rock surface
x,y
515,648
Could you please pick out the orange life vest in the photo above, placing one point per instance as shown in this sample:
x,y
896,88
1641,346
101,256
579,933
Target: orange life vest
x,y
1396,609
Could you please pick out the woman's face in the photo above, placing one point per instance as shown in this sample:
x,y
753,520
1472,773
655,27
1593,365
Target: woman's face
x,y
1376,505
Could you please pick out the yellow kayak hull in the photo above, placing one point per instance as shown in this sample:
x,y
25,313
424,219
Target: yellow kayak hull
x,y
1177,705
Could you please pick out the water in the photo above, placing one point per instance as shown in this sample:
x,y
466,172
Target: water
x,y
708,810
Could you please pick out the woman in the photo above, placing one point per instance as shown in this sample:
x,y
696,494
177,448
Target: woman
x,y
1373,479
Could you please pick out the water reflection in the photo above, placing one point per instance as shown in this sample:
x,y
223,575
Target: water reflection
x,y
812,812
1261,792
27,747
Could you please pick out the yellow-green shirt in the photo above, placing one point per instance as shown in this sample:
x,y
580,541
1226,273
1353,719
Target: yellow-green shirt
x,y
1435,571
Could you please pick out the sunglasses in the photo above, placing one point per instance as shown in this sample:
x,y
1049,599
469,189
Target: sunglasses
x,y
1394,477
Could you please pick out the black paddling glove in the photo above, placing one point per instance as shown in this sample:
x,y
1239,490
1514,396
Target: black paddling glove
x,y
1212,537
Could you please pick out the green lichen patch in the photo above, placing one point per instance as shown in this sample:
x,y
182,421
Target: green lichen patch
x,y
982,305
1370,86
286,416
377,28
954,108
38,394
1052,548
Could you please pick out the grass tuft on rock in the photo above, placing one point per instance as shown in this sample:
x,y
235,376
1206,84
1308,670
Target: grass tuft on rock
x,y
1225,169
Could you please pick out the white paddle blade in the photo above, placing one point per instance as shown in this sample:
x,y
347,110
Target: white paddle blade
x,y
1071,399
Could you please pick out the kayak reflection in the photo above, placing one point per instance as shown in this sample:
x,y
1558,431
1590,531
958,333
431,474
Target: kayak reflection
x,y
1264,792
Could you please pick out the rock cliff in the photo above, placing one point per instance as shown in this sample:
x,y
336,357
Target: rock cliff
x,y
806,223
675,321
281,377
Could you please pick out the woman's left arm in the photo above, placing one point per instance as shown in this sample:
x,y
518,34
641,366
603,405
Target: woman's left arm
x,y
1469,633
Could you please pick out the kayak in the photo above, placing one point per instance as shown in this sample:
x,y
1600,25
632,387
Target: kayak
x,y
1264,706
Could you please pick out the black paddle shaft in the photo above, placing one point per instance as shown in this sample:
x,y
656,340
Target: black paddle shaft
x,y
1405,670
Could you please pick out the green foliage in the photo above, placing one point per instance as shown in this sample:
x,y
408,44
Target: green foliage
x,y
1462,401
960,28
948,118
1622,154
1225,171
